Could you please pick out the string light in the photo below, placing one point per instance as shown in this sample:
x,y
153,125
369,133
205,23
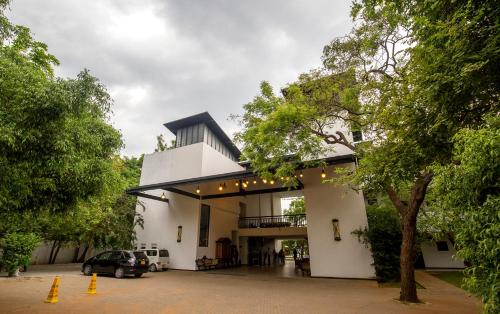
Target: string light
x,y
323,174
198,189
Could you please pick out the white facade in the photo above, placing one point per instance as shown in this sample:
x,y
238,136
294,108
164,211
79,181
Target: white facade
x,y
347,258
434,258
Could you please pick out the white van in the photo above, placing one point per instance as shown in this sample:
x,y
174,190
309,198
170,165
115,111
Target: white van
x,y
158,259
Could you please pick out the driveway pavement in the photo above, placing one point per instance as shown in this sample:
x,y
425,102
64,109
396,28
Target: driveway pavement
x,y
221,292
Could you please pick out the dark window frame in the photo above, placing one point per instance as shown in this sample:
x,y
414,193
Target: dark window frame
x,y
204,228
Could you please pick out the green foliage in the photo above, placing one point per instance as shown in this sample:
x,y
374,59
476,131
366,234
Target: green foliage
x,y
17,250
468,191
384,238
297,206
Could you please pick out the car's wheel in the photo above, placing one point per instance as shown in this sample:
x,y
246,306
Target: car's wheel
x,y
87,270
152,268
119,272
137,275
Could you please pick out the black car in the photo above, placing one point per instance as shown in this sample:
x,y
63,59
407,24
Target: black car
x,y
117,263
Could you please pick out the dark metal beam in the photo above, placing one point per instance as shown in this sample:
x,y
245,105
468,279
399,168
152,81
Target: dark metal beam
x,y
178,191
153,197
253,192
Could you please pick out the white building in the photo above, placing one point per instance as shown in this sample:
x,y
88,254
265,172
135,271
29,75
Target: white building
x,y
198,193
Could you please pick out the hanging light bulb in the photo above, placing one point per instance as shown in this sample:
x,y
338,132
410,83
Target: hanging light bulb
x,y
264,181
254,181
198,189
163,196
301,174
244,184
247,182
237,183
323,174
220,187
272,181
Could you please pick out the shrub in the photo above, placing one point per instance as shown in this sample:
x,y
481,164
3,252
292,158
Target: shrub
x,y
384,237
17,250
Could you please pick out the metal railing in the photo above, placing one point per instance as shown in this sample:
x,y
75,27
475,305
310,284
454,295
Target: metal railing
x,y
282,221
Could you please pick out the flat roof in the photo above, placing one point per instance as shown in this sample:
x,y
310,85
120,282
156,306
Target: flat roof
x,y
224,176
206,119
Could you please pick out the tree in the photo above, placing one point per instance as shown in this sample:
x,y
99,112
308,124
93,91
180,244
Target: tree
x,y
17,249
297,207
161,145
56,144
468,192
410,75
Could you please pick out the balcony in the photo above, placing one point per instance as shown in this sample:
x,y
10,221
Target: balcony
x,y
282,221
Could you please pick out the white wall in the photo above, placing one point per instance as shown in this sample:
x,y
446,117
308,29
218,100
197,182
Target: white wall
x,y
224,215
440,259
347,258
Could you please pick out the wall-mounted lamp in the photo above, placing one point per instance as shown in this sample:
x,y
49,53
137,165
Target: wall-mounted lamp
x,y
179,234
336,229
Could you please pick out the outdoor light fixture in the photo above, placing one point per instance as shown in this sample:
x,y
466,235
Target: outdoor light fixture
x,y
163,196
272,181
179,234
220,187
336,229
323,174
254,181
301,174
264,181
237,183
244,184
198,189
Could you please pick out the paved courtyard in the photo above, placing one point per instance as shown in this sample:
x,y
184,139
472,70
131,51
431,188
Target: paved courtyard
x,y
243,290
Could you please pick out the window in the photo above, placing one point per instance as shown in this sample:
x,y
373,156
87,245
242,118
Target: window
x,y
151,252
163,253
116,255
103,256
204,225
154,245
442,245
143,246
357,136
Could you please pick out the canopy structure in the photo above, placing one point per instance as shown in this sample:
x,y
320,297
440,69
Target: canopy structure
x,y
191,187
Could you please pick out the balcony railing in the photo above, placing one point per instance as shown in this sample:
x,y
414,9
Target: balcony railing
x,y
281,221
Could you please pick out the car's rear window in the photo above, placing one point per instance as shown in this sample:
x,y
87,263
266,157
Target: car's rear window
x,y
163,253
139,254
151,252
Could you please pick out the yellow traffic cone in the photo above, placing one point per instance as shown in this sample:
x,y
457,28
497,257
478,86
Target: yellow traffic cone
x,y
92,286
54,291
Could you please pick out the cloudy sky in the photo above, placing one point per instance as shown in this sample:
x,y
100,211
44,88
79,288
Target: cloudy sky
x,y
164,60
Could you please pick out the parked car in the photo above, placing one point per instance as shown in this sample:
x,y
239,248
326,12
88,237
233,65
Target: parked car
x,y
158,259
117,263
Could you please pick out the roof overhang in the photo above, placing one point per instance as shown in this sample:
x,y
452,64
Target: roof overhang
x,y
206,119
175,186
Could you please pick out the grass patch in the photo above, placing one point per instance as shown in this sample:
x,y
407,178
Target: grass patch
x,y
451,277
395,284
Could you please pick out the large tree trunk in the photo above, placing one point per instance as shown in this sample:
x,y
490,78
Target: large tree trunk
x,y
408,212
52,251
75,254
55,253
407,259
81,259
